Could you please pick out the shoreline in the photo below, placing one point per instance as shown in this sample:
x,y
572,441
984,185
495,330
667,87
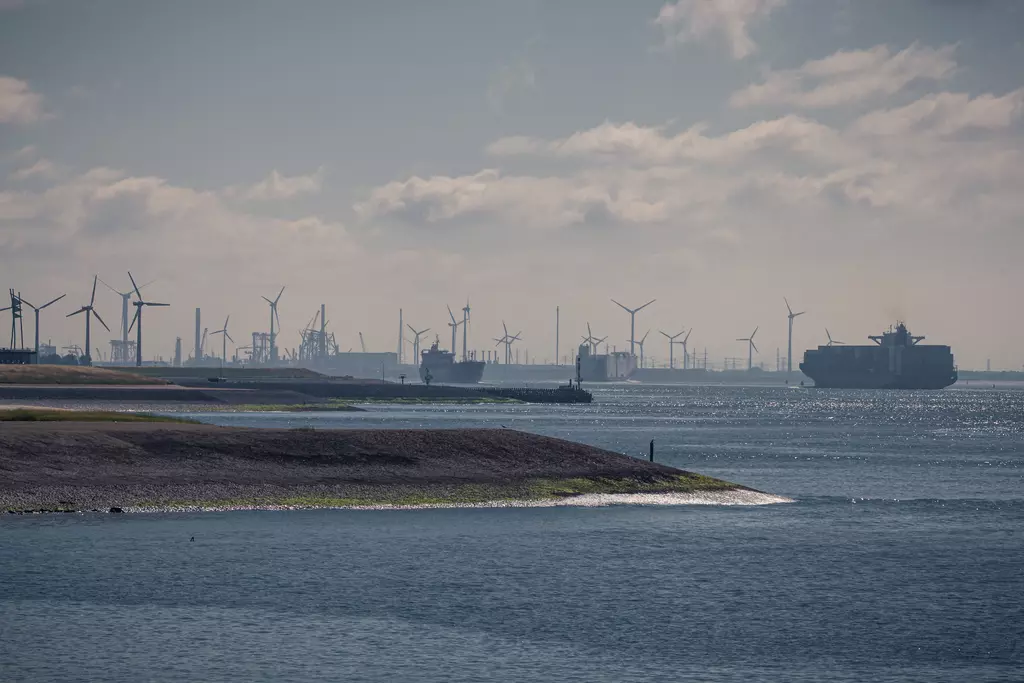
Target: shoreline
x,y
74,466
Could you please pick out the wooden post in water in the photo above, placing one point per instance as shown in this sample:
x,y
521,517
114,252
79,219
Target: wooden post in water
x,y
652,450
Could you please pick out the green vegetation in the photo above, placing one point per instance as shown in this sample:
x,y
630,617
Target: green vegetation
x,y
471,494
466,400
71,374
51,415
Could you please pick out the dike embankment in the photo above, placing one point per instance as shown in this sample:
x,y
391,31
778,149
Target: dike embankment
x,y
73,466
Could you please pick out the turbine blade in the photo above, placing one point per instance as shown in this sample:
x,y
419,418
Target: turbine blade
x,y
450,314
799,314
226,323
153,303
137,292
754,332
787,305
100,319
229,337
24,301
52,302
80,310
109,287
645,305
622,307
687,336
267,300
138,310
754,345
92,299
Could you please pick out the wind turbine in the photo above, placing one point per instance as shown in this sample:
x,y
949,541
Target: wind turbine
x,y
789,353
454,324
832,341
126,298
632,321
273,317
671,346
89,312
416,341
48,303
508,340
641,345
686,354
465,331
751,347
139,305
225,338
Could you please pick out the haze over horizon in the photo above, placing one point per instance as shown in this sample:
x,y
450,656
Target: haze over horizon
x,y
863,159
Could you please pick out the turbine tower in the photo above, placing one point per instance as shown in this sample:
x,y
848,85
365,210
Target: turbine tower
x,y
751,347
139,305
48,303
789,353
416,341
641,345
671,346
632,321
454,324
273,317
508,339
89,312
17,320
224,339
465,331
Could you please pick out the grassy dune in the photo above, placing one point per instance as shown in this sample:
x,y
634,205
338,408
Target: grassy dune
x,y
71,374
54,415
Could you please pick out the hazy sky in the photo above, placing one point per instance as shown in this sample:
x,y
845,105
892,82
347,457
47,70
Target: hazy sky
x,y
864,158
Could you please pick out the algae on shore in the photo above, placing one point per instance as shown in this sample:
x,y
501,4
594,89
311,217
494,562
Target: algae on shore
x,y
60,415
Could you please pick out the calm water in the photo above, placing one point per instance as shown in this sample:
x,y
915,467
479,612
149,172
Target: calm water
x,y
902,559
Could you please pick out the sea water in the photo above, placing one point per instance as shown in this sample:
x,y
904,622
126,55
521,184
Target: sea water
x,y
902,559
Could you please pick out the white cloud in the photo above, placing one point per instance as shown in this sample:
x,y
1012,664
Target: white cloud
x,y
279,186
18,103
651,145
730,19
851,76
945,114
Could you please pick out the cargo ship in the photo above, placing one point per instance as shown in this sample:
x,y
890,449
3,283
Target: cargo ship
x,y
438,366
897,360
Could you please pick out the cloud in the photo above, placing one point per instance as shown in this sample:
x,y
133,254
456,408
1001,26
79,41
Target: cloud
x,y
278,186
634,144
43,169
731,20
945,114
508,82
18,103
850,76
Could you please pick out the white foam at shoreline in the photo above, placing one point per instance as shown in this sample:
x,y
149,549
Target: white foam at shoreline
x,y
733,497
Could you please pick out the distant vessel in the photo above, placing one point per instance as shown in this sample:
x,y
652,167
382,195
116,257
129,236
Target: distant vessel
x,y
896,361
608,367
438,366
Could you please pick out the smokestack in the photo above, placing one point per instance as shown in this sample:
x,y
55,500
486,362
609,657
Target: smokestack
x,y
198,338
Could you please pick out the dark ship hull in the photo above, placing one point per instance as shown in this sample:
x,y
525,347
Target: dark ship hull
x,y
467,372
438,366
896,361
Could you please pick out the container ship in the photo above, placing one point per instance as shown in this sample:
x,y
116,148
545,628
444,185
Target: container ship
x,y
438,366
897,360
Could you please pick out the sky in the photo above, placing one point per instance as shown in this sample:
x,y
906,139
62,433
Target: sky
x,y
864,159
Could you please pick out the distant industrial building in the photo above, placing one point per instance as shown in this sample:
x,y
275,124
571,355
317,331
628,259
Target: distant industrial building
x,y
17,357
